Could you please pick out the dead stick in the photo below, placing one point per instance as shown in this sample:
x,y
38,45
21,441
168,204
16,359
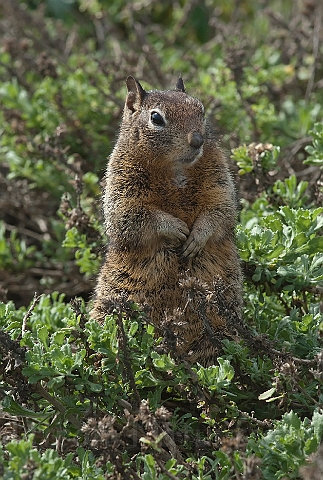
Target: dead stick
x,y
28,314
57,404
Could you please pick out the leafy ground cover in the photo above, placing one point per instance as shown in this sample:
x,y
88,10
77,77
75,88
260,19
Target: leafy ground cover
x,y
82,400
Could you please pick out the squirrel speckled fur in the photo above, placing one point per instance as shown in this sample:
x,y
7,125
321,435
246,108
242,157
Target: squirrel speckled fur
x,y
170,211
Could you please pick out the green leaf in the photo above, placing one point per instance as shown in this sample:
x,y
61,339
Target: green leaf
x,y
94,387
267,394
133,329
43,335
12,407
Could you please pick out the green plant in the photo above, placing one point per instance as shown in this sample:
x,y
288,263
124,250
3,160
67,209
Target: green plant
x,y
86,400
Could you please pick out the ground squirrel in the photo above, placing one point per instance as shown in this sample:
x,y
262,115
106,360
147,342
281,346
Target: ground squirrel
x,y
170,211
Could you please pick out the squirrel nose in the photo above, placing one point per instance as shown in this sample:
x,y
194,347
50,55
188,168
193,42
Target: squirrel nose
x,y
195,139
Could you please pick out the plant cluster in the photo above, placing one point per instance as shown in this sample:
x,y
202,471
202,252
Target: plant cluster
x,y
83,400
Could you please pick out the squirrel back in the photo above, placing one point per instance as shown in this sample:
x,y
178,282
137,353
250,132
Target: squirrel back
x,y
170,211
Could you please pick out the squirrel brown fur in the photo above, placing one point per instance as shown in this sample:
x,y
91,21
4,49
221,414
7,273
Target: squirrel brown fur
x,y
170,211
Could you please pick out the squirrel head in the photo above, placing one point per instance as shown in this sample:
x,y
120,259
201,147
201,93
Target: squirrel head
x,y
169,125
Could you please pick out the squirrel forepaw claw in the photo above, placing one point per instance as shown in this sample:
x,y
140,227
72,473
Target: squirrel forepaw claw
x,y
191,248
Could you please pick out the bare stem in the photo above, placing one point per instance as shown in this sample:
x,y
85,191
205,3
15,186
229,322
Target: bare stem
x,y
29,312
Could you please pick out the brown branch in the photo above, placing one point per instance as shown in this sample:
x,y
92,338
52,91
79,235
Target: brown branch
x,y
126,360
306,395
316,45
171,445
57,404
294,149
164,470
316,290
266,424
28,314
25,231
287,355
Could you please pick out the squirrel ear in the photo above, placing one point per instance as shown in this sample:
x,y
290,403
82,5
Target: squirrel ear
x,y
136,94
180,84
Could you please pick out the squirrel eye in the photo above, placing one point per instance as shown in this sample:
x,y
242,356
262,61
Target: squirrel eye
x,y
157,119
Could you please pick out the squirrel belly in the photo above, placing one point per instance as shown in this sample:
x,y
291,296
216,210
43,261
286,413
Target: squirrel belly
x,y
170,212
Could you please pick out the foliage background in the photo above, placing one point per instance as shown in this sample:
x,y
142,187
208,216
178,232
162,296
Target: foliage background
x,y
75,395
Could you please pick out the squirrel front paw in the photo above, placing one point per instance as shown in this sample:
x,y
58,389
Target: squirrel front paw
x,y
174,230
194,244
